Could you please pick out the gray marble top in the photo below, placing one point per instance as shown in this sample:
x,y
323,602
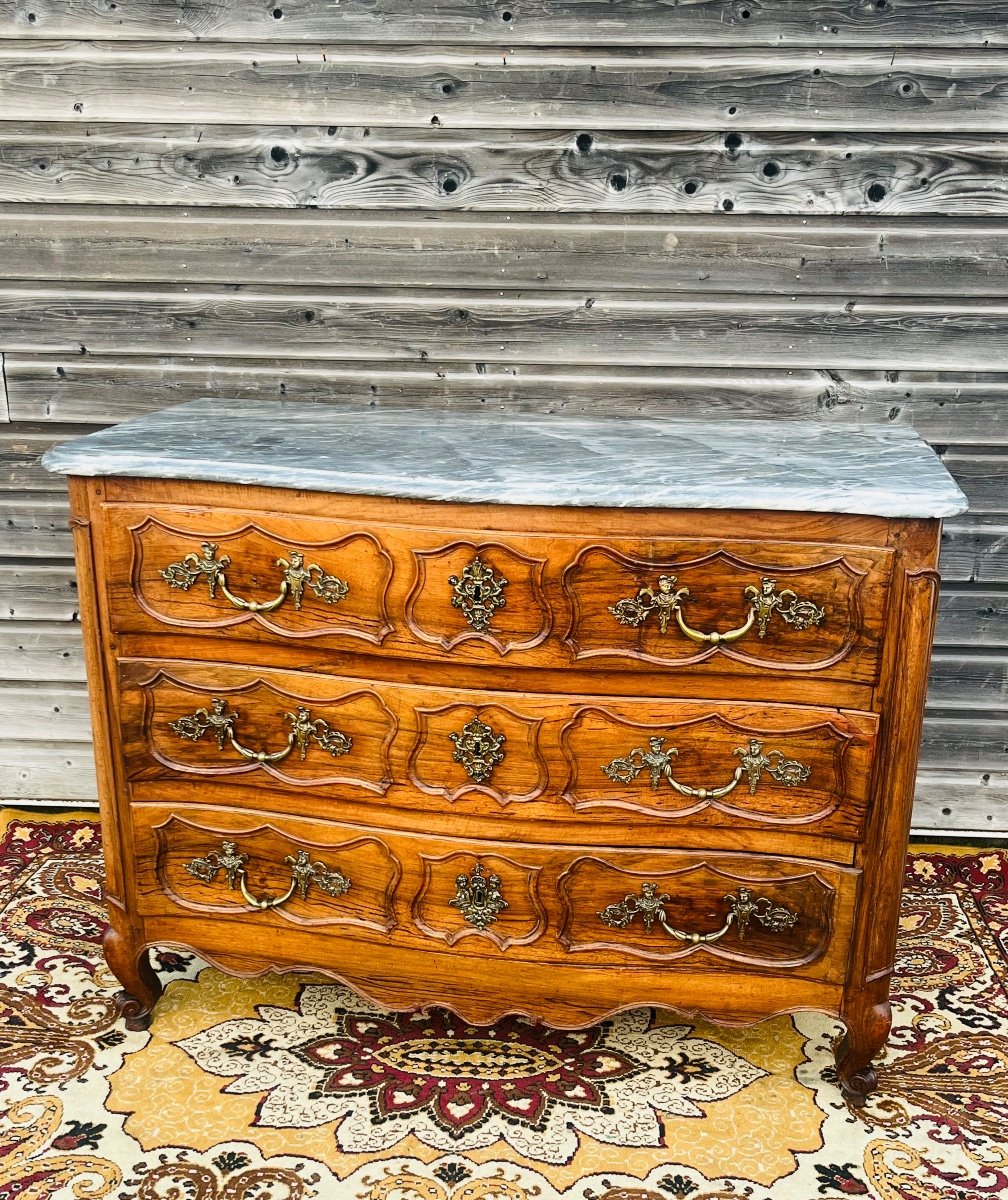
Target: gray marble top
x,y
509,458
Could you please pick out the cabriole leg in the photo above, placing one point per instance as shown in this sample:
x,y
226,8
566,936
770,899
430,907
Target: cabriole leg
x,y
868,1028
142,987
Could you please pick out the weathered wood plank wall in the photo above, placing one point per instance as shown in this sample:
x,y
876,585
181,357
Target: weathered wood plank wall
x,y
783,209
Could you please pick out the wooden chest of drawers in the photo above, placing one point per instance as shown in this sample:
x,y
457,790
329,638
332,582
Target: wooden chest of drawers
x,y
511,716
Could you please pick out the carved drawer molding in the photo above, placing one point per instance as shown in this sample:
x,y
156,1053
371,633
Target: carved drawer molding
x,y
787,616
207,869
292,587
453,757
786,775
302,741
511,613
487,896
595,897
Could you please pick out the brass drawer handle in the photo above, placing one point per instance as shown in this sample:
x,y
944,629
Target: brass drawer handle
x,y
304,873
296,577
666,600
304,730
741,910
657,759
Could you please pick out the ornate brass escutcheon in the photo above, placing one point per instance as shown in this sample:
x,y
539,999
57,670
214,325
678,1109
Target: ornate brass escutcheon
x,y
742,908
478,749
304,874
478,897
304,730
478,592
666,601
295,577
657,758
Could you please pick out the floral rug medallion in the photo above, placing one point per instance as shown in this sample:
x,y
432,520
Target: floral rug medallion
x,y
379,1077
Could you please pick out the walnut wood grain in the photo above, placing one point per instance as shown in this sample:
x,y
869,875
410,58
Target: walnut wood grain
x,y
835,750
583,996
522,622
529,760
356,557
123,939
130,962
520,924
108,765
716,602
866,1008
262,706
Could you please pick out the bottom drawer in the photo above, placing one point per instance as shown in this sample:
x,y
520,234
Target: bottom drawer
x,y
316,894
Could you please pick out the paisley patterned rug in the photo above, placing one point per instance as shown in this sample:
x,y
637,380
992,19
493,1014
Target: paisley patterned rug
x,y
286,1088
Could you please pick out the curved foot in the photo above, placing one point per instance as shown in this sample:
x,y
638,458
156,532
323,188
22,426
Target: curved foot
x,y
856,1084
136,1014
867,1030
141,987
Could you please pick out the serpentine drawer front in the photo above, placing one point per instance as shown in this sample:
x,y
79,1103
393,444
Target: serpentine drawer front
x,y
756,607
532,903
513,714
317,741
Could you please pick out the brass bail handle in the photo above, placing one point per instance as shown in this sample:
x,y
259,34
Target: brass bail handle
x,y
649,905
731,635
656,758
305,730
666,601
304,873
296,577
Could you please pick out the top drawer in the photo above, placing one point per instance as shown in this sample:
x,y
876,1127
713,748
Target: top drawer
x,y
737,607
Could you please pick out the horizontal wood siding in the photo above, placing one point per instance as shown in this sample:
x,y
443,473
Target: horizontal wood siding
x,y
506,170
509,326
525,22
675,88
966,407
614,253
780,210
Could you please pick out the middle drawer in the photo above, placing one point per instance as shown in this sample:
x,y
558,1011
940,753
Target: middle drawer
x,y
336,746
